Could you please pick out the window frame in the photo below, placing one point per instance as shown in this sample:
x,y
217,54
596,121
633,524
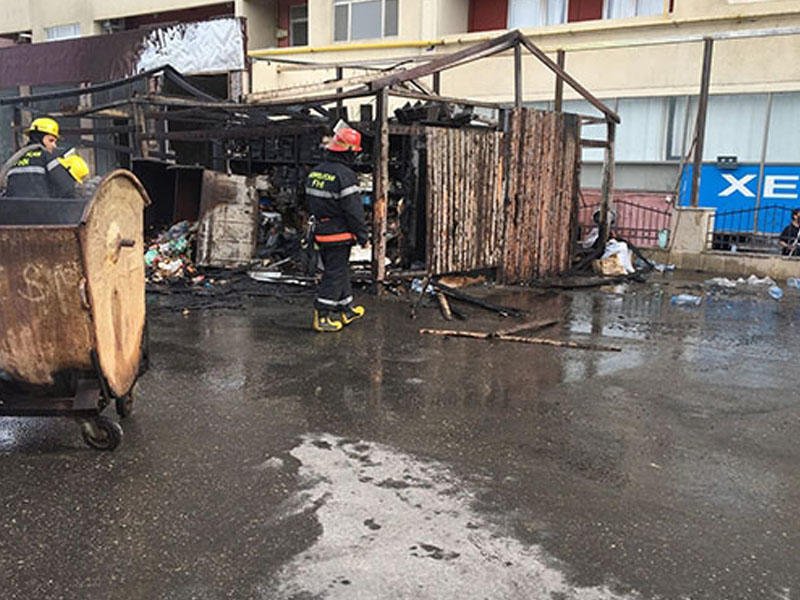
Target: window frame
x,y
293,21
349,4
543,12
607,8
73,27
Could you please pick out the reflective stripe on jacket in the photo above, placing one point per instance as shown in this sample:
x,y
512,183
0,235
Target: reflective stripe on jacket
x,y
27,178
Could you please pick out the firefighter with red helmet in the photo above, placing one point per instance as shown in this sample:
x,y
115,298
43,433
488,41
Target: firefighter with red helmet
x,y
335,206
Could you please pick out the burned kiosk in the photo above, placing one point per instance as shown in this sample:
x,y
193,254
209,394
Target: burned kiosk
x,y
452,184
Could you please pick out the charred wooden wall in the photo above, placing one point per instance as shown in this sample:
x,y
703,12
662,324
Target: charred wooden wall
x,y
543,159
464,200
471,225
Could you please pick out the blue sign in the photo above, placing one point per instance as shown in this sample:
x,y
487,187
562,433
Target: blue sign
x,y
737,189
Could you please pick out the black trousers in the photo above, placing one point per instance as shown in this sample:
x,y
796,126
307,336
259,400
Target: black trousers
x,y
334,291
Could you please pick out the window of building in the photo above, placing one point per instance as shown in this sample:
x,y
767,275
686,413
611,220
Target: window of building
x,y
298,25
62,32
620,9
536,13
364,19
784,124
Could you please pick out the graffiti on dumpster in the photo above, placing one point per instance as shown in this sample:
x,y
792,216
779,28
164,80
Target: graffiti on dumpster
x,y
43,283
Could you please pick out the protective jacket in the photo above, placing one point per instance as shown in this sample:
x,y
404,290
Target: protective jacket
x,y
334,200
39,174
27,177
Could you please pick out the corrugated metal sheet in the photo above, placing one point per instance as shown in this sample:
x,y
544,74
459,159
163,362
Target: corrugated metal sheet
x,y
543,157
228,220
193,48
206,47
465,199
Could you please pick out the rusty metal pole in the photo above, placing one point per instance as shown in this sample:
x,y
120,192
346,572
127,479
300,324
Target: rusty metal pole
x,y
607,187
339,102
437,83
517,75
702,110
559,104
380,186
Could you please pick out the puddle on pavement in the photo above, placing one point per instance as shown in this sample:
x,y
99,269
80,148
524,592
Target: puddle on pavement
x,y
641,319
397,527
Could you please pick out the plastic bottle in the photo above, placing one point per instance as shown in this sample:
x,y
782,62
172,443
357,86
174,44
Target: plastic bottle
x,y
776,292
686,300
793,282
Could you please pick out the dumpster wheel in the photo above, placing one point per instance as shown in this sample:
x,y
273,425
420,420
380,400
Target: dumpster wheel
x,y
101,433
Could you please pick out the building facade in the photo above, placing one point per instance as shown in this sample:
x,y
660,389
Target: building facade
x,y
42,20
643,57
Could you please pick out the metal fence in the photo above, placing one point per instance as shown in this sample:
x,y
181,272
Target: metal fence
x,y
748,230
640,224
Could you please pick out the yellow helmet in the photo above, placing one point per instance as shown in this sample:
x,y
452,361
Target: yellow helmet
x,y
44,125
76,166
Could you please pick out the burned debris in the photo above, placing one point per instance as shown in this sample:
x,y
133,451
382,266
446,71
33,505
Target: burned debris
x,y
451,185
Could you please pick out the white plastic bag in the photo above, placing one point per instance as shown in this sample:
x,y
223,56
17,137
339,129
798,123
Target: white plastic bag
x,y
621,249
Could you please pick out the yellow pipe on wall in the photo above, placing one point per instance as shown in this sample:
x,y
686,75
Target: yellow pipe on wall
x,y
346,47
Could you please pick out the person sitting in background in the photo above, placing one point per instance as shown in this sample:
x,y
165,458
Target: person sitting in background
x,y
789,239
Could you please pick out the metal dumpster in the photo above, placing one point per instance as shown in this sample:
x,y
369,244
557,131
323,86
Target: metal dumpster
x,y
72,305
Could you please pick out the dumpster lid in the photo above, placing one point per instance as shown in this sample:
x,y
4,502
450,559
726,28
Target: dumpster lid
x,y
41,211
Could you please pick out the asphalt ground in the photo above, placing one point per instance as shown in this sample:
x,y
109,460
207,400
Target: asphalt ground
x,y
265,461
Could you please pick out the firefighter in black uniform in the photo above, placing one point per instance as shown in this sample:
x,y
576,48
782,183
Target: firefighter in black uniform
x,y
334,202
39,171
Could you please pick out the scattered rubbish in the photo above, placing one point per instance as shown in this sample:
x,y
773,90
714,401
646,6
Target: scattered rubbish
x,y
459,281
363,254
417,286
793,282
444,305
610,266
168,256
421,288
722,282
662,268
775,292
504,311
590,238
278,277
754,280
686,300
615,248
527,326
481,335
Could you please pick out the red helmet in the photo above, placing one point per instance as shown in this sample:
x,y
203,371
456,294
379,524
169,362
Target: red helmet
x,y
345,140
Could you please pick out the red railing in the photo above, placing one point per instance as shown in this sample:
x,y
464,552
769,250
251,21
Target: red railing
x,y
639,217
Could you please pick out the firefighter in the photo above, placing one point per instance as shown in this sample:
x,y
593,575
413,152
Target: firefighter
x,y
73,170
37,171
334,202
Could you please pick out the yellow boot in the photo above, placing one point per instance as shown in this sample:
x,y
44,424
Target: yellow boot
x,y
324,323
351,313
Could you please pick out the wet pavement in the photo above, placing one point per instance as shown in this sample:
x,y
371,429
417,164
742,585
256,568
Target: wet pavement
x,y
264,461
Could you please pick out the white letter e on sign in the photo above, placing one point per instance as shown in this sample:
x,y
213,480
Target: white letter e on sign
x,y
781,186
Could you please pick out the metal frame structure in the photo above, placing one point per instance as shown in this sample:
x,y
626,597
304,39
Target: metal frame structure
x,y
297,108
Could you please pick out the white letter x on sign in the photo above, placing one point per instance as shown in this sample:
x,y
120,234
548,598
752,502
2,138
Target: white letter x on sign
x,y
737,185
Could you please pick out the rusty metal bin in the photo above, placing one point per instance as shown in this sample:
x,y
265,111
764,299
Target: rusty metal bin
x,y
72,305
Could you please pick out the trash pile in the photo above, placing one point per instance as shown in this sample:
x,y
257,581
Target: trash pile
x,y
717,285
169,255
